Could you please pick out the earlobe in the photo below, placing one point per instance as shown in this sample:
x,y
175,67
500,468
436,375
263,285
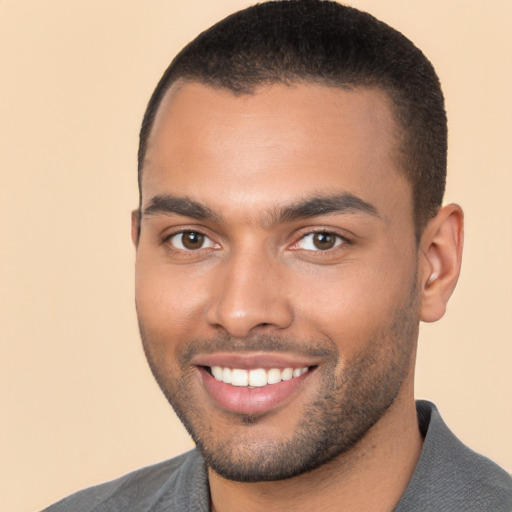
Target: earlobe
x,y
135,227
441,256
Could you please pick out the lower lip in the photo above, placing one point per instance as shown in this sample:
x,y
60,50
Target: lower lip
x,y
245,400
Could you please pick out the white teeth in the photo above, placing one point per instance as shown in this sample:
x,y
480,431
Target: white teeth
x,y
217,372
258,377
287,374
273,376
226,375
239,377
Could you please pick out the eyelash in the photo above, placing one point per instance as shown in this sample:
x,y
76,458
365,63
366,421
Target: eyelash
x,y
339,242
168,240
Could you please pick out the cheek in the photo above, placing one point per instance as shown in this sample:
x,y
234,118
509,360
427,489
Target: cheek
x,y
351,303
340,310
168,304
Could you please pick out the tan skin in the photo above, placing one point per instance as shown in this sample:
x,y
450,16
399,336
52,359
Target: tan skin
x,y
245,157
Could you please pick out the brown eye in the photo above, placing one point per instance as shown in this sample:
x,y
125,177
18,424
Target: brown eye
x,y
190,241
324,241
320,241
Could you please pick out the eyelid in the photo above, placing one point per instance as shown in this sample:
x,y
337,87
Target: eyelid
x,y
167,240
341,240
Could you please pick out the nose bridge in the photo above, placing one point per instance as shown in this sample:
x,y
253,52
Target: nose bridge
x,y
249,293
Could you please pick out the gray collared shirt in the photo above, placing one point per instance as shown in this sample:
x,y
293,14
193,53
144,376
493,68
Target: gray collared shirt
x,y
449,477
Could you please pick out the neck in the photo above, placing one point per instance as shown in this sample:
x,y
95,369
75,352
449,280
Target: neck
x,y
372,475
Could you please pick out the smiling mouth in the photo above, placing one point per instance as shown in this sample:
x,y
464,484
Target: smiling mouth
x,y
255,378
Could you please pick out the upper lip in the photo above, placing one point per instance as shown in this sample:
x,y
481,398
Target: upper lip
x,y
252,360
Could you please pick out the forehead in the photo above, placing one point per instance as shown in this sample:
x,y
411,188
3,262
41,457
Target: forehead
x,y
289,140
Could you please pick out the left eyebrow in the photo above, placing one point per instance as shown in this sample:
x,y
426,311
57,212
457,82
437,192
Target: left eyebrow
x,y
323,205
169,204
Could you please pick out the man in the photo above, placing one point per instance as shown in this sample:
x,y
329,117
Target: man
x,y
290,237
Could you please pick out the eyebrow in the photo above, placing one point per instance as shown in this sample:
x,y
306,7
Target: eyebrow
x,y
323,205
303,209
169,204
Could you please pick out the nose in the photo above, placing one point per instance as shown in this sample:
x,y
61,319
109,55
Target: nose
x,y
249,294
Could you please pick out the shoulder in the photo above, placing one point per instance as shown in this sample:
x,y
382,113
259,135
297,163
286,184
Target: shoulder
x,y
450,476
171,480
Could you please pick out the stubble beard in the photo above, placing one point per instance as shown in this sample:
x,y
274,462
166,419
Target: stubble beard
x,y
344,410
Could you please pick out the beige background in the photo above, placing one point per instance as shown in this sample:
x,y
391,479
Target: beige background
x,y
78,404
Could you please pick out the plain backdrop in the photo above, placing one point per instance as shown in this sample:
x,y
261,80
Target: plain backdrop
x,y
78,405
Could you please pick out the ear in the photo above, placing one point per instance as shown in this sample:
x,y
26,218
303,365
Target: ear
x,y
440,261
135,227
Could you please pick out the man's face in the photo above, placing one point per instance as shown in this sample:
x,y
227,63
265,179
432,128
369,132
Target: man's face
x,y
276,272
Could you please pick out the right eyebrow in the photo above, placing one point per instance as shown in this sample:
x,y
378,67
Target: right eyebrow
x,y
169,204
319,205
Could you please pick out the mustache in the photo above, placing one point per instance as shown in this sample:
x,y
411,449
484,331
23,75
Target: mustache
x,y
262,343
